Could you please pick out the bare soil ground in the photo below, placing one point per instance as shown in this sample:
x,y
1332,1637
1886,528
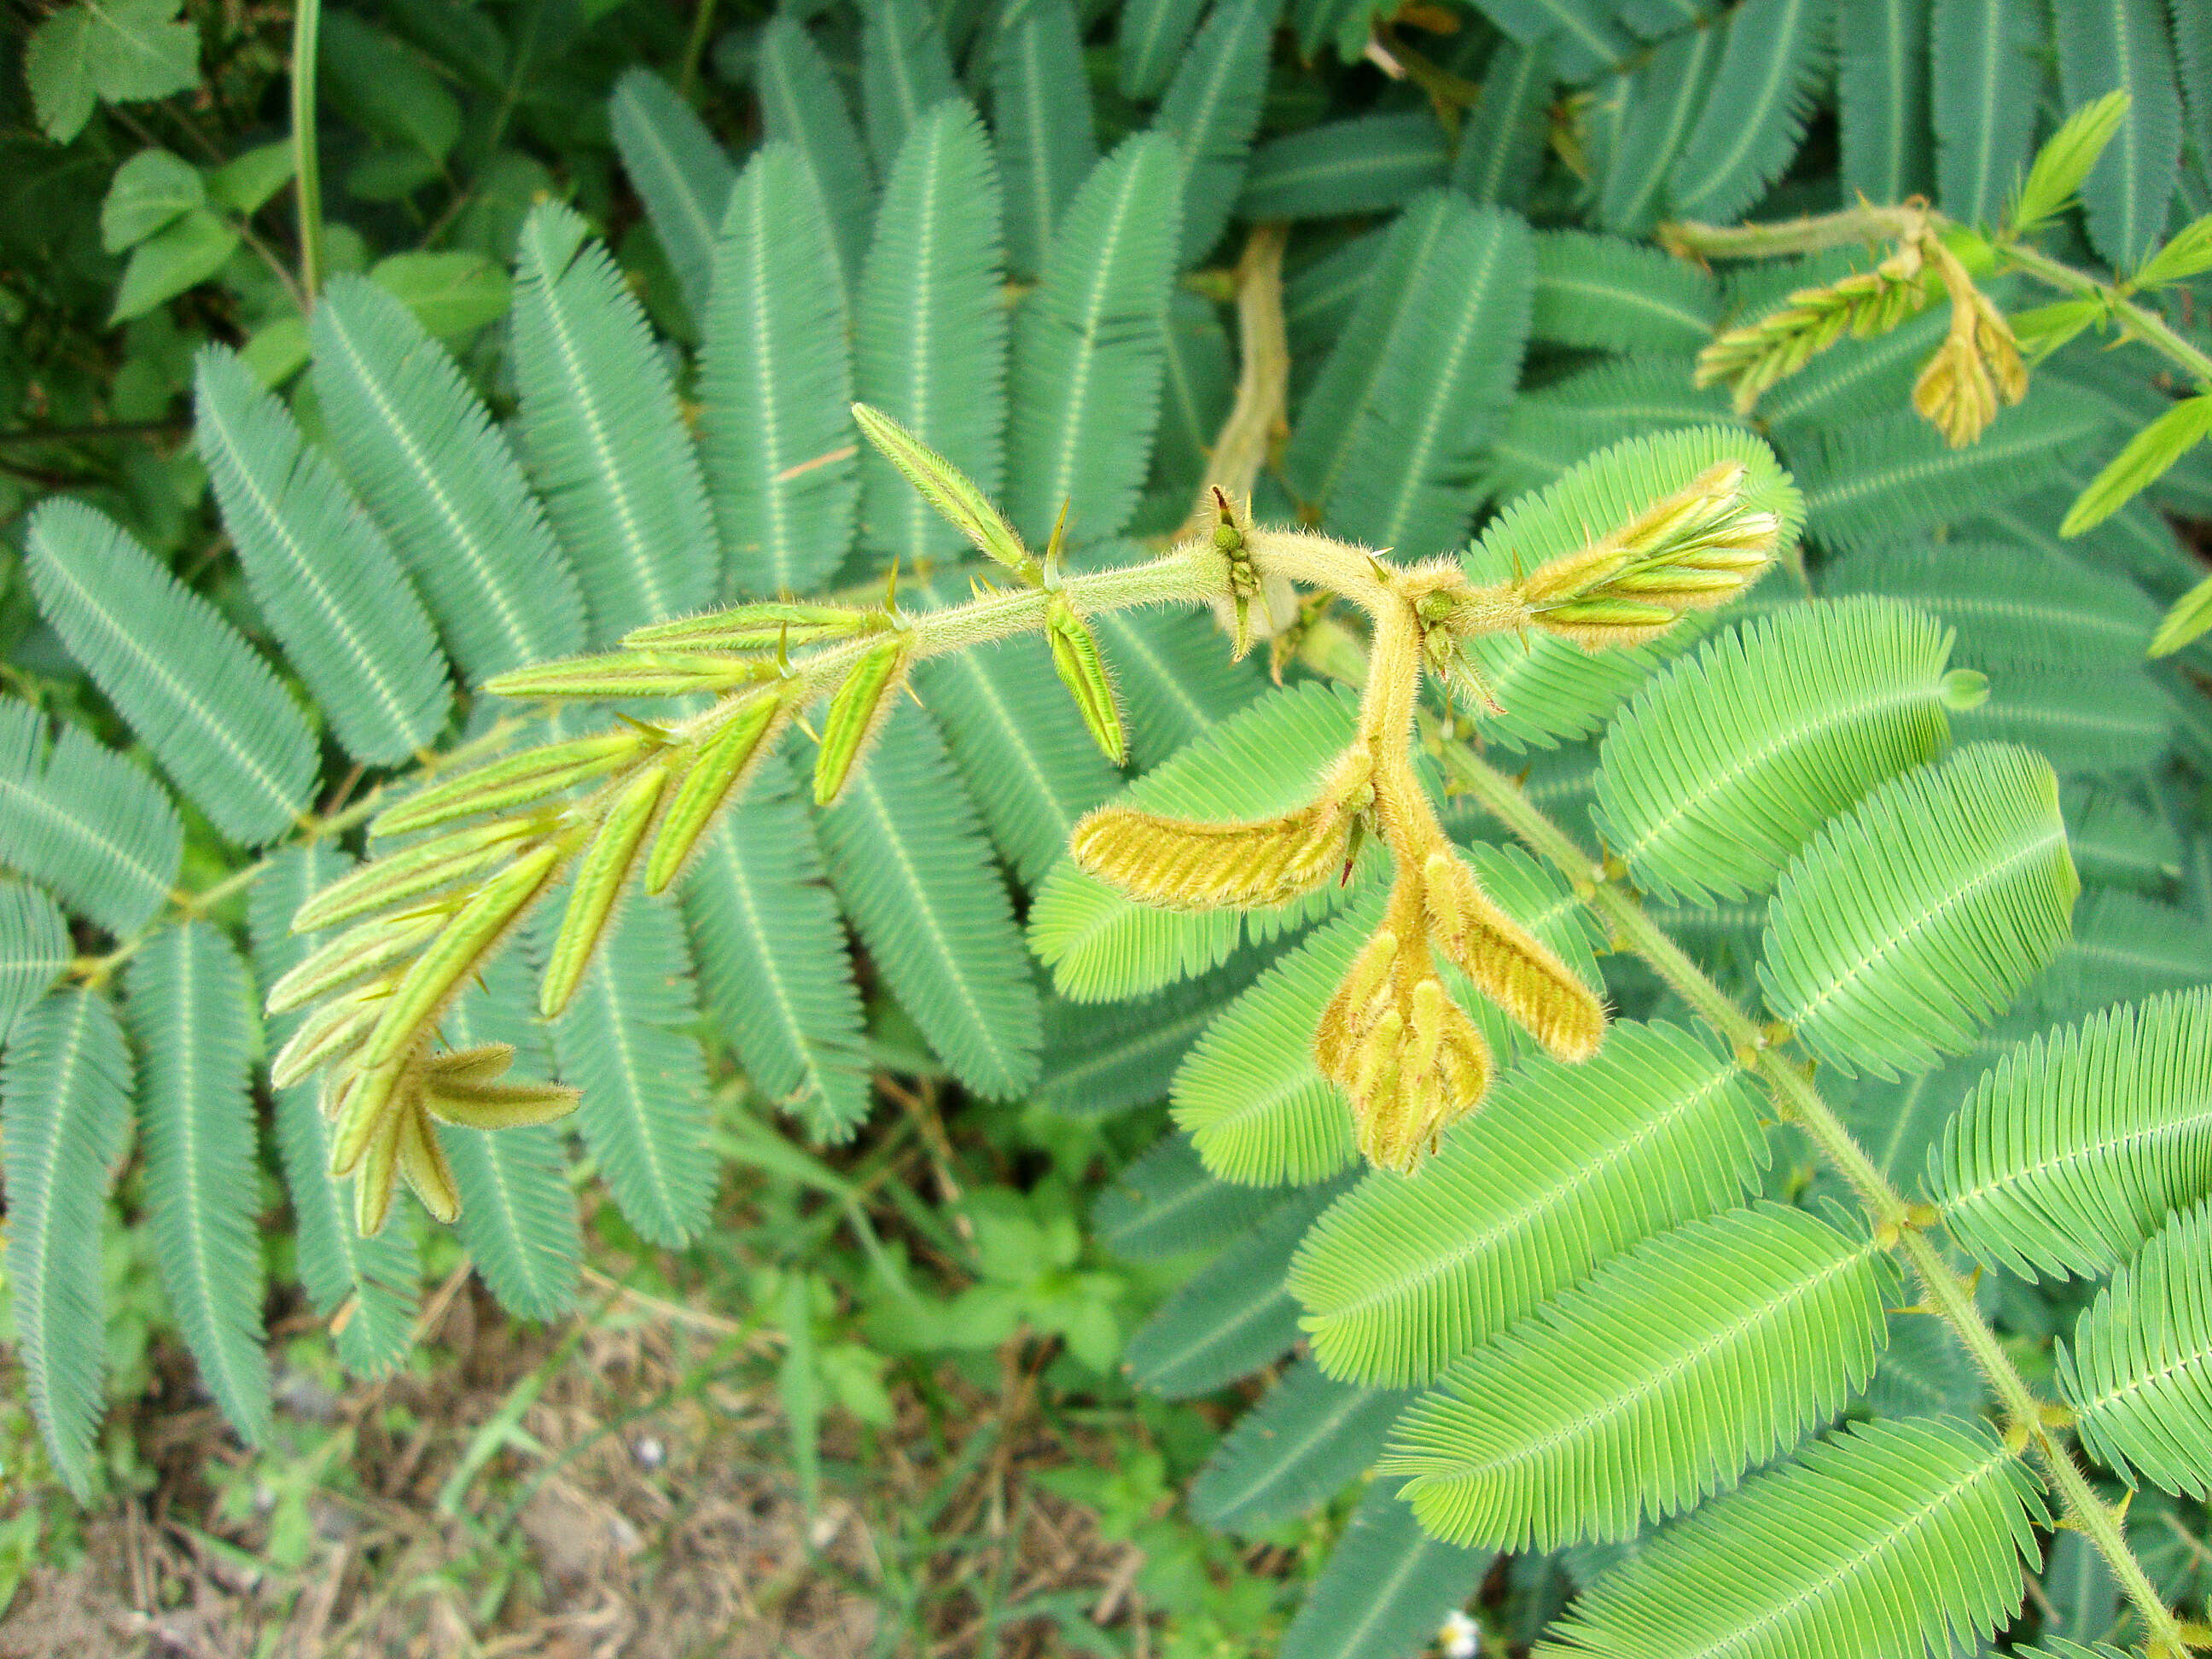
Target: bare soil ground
x,y
608,1502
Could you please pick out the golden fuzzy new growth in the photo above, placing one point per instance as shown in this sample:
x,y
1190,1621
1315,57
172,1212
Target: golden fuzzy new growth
x,y
1181,865
419,923
1409,1059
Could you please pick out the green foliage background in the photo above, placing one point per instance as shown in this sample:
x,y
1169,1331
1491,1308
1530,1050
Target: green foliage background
x,y
600,285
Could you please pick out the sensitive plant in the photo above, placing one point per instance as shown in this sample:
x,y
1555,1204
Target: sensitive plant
x,y
1595,1299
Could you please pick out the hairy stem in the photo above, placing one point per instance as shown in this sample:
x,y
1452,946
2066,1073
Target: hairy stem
x,y
1263,379
95,971
1869,224
1949,1297
2136,322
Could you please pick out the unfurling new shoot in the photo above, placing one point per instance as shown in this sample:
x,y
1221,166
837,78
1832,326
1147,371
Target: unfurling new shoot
x,y
418,924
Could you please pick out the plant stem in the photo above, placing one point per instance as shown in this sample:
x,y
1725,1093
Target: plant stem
x,y
1263,379
94,970
1948,1296
2138,322
307,156
695,48
1869,224
1810,234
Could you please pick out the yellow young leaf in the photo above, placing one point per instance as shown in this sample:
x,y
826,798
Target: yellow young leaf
x,y
1508,963
600,874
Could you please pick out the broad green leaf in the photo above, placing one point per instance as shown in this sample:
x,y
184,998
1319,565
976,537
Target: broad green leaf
x,y
2124,946
2083,723
1549,427
2117,843
183,254
369,76
247,181
1102,1060
152,190
1200,389
452,295
114,51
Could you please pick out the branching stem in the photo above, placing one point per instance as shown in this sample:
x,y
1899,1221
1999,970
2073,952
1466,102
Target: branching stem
x,y
1948,1294
184,907
1868,223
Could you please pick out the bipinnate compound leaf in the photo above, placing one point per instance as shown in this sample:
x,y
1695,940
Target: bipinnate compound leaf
x,y
1657,1382
65,1116
1902,1535
216,718
2069,1152
1919,915
190,1010
1564,1167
